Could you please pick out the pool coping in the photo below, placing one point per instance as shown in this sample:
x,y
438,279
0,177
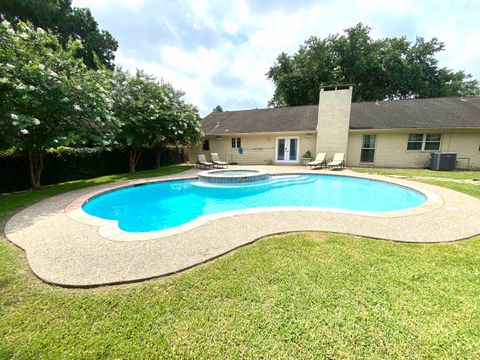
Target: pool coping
x,y
214,176
110,230
69,253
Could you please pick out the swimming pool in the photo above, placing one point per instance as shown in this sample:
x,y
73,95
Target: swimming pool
x,y
164,205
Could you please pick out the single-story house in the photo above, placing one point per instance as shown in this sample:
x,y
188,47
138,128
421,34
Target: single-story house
x,y
399,133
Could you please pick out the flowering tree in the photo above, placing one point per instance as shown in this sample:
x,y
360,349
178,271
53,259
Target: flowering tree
x,y
48,97
152,115
179,121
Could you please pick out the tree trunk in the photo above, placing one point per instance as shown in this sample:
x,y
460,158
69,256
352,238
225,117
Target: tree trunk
x,y
156,157
182,155
35,163
133,156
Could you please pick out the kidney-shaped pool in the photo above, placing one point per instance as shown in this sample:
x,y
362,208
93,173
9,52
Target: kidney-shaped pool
x,y
163,205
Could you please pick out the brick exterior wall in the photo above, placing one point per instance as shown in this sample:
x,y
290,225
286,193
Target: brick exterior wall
x,y
333,120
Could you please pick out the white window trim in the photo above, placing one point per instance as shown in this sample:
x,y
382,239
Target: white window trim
x,y
424,140
374,148
236,142
287,138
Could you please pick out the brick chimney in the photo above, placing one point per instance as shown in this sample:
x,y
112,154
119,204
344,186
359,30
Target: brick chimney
x,y
334,119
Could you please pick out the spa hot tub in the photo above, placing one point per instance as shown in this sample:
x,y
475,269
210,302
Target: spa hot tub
x,y
232,176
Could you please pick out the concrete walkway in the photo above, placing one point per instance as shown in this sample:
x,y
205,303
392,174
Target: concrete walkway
x,y
67,252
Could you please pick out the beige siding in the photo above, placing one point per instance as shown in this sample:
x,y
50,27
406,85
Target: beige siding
x,y
391,149
466,145
308,143
257,149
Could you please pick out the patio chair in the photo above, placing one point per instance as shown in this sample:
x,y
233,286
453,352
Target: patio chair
x,y
320,161
202,162
338,161
216,161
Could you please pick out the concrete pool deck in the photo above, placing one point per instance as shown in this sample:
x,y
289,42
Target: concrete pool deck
x,y
64,251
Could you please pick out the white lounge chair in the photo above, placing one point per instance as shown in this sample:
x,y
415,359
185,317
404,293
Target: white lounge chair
x,y
216,160
320,161
202,161
338,161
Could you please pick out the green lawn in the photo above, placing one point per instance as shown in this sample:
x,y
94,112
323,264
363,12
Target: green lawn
x,y
455,180
304,295
459,175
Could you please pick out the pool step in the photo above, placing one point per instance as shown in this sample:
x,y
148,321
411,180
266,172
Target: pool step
x,y
276,181
289,180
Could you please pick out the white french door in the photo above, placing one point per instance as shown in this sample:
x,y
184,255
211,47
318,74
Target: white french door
x,y
286,149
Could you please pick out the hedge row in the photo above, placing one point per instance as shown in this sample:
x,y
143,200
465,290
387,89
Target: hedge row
x,y
75,164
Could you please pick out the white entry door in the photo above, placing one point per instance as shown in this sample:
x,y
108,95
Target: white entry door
x,y
286,150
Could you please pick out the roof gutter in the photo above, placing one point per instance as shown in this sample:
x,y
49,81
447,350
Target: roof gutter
x,y
296,132
393,130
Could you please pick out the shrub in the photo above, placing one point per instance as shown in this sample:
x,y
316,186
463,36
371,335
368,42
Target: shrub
x,y
67,164
308,155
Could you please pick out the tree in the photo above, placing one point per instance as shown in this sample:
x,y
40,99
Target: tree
x,y
180,123
67,23
153,115
136,101
48,97
217,108
390,68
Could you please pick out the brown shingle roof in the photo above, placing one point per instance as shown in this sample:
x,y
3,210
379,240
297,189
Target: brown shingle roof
x,y
411,114
294,118
440,113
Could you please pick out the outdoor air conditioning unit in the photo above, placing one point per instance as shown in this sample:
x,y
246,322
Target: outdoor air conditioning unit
x,y
443,161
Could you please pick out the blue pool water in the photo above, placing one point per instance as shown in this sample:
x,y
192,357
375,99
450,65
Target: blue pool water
x,y
163,205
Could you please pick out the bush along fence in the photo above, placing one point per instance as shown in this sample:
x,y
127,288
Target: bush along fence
x,y
74,164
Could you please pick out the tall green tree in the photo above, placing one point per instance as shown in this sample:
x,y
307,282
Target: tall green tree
x,y
153,115
67,23
48,96
217,108
390,68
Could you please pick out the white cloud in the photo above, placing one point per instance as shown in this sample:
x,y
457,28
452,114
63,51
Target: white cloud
x,y
240,43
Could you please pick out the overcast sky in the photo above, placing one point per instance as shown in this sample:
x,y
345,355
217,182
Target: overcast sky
x,y
219,51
